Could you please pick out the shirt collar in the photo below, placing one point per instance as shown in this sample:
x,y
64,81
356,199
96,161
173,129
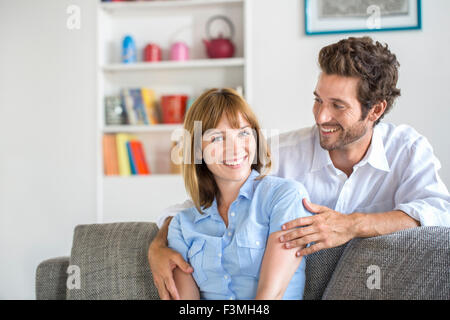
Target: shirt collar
x,y
375,156
247,190
321,156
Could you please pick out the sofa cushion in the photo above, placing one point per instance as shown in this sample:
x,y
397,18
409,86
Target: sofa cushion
x,y
319,269
410,264
51,278
112,260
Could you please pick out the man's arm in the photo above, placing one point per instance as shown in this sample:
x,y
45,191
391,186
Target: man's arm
x,y
329,228
163,261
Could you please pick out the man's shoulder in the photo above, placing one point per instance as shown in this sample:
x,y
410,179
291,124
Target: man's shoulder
x,y
398,137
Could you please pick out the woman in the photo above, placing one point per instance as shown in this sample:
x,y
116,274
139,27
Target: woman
x,y
230,237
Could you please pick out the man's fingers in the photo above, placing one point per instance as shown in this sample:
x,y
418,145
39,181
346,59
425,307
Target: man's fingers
x,y
312,207
297,233
173,291
162,291
313,248
182,264
302,242
300,222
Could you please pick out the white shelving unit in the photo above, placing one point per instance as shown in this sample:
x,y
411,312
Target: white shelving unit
x,y
142,198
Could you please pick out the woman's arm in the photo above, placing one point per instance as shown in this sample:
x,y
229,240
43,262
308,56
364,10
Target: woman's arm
x,y
278,267
185,283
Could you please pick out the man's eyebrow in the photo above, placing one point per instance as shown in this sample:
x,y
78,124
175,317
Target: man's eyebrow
x,y
333,99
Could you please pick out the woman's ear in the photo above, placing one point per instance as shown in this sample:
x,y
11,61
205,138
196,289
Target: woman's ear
x,y
377,111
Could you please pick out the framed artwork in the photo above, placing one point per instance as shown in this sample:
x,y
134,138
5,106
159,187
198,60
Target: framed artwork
x,y
346,16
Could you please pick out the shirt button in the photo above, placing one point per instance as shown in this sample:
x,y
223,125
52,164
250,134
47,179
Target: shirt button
x,y
229,234
233,214
257,243
220,255
231,298
225,276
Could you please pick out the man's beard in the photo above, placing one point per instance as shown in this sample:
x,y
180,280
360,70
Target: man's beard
x,y
345,137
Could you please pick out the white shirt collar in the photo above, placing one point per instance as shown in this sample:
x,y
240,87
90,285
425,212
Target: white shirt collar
x,y
375,155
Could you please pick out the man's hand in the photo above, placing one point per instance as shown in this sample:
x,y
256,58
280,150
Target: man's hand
x,y
163,261
327,228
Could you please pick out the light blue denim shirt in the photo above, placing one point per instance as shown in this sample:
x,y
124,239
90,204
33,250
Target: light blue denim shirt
x,y
227,261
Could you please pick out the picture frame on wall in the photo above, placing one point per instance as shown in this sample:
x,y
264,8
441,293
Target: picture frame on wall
x,y
348,16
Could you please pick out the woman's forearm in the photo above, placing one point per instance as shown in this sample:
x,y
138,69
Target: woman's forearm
x,y
278,267
185,283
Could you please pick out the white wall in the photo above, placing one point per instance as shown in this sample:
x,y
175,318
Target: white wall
x,y
47,136
47,111
285,71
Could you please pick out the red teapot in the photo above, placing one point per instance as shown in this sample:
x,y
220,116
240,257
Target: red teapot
x,y
219,47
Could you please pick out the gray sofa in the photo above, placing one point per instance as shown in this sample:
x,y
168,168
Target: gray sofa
x,y
112,264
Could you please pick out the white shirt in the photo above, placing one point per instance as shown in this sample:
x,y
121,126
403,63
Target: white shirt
x,y
398,172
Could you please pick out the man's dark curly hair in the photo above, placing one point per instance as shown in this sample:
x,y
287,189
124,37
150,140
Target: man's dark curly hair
x,y
371,62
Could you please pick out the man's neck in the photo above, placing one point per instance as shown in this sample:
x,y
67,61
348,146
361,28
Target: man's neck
x,y
347,157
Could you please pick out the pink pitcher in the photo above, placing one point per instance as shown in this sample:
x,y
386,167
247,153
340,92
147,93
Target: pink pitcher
x,y
179,52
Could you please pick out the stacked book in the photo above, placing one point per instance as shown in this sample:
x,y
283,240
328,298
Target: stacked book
x,y
133,106
123,154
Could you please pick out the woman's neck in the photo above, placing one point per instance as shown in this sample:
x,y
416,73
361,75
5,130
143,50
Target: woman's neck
x,y
228,192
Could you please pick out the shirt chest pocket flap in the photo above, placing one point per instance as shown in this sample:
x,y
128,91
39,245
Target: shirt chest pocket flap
x,y
196,256
250,249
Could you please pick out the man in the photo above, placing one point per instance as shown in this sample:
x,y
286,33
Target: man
x,y
365,178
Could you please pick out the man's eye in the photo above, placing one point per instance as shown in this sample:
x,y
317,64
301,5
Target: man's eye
x,y
338,106
317,100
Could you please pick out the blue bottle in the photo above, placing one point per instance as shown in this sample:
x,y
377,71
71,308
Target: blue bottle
x,y
128,50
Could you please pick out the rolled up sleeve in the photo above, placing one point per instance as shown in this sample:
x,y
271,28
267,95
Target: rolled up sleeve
x,y
175,237
422,194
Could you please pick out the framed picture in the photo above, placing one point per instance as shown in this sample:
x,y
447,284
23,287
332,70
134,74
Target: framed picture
x,y
345,16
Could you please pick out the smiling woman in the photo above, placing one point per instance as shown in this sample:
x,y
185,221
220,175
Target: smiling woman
x,y
231,235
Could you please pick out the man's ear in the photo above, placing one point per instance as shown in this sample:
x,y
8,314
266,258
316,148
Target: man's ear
x,y
377,111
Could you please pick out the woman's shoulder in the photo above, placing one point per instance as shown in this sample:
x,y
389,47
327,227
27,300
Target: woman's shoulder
x,y
282,184
187,215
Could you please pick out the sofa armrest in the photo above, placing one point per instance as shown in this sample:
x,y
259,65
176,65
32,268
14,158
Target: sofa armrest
x,y
410,264
51,278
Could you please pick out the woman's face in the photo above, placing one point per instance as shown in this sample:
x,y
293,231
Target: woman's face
x,y
228,152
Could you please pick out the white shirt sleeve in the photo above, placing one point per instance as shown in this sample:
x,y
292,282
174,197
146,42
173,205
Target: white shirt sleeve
x,y
172,211
422,194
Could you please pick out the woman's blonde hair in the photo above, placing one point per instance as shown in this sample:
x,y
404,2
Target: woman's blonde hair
x,y
209,109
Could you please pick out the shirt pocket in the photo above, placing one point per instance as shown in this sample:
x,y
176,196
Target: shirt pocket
x,y
250,249
196,256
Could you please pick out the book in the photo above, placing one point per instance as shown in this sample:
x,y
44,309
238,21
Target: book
x,y
110,163
149,100
122,153
128,102
139,157
138,105
131,158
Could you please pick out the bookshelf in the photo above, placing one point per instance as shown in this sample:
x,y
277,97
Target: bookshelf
x,y
142,197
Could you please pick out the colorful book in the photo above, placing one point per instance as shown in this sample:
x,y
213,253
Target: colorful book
x,y
128,102
110,163
149,100
132,159
139,157
138,106
122,153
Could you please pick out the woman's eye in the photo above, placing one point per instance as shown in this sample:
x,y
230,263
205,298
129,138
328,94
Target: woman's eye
x,y
244,133
216,139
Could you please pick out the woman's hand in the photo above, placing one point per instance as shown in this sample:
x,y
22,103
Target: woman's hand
x,y
163,261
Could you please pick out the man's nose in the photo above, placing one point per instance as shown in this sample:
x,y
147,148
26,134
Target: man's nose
x,y
323,114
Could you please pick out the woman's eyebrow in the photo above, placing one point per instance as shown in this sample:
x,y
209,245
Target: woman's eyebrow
x,y
223,132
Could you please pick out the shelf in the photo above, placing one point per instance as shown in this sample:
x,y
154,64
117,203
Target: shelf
x,y
165,65
114,7
142,128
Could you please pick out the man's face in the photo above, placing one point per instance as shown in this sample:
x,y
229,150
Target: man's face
x,y
337,112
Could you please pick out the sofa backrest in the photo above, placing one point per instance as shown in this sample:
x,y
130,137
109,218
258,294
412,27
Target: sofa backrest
x,y
112,260
407,265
